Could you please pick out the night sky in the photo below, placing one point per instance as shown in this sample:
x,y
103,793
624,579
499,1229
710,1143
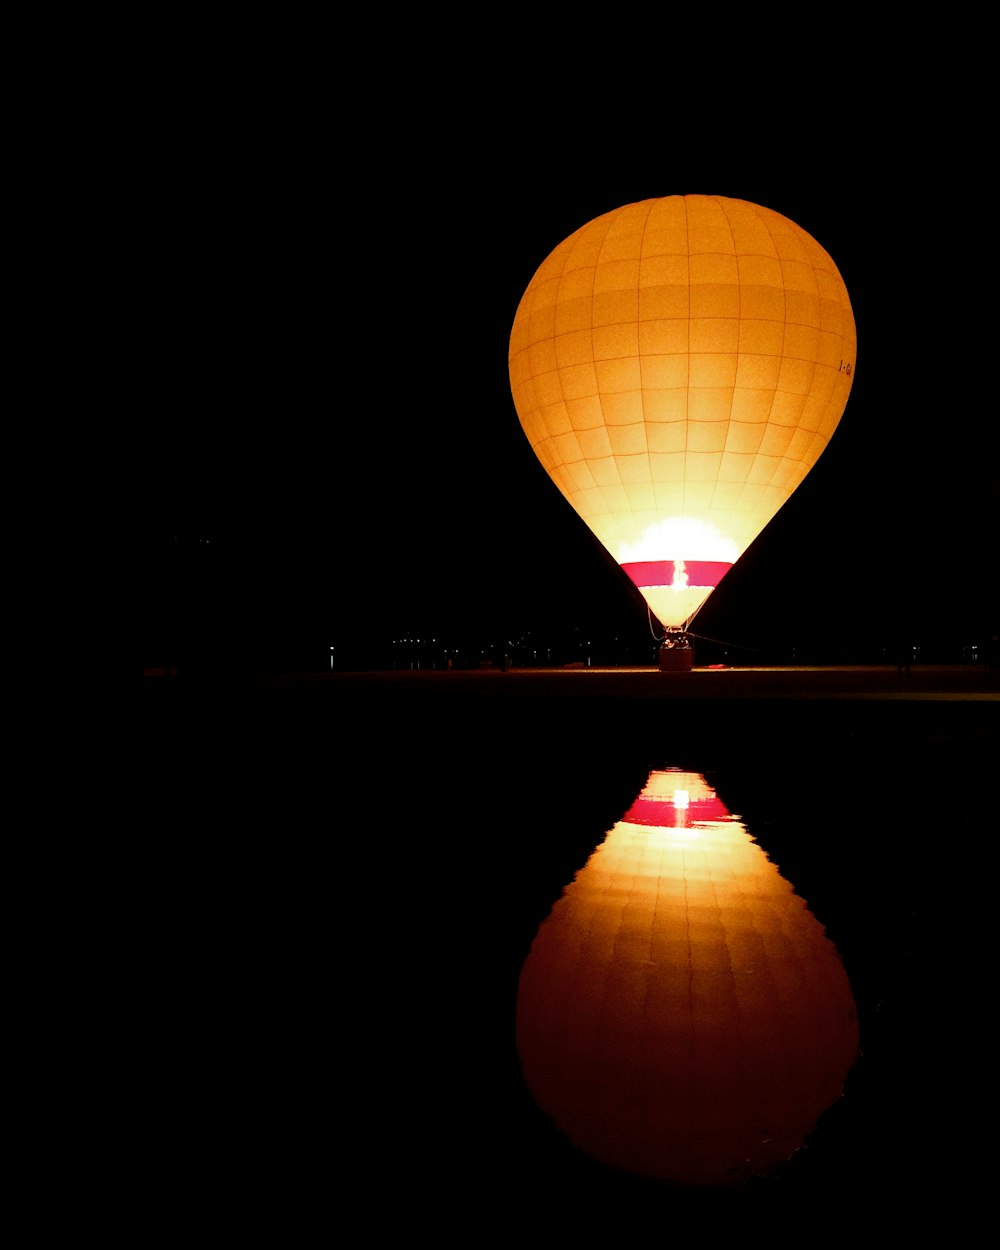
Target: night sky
x,y
316,340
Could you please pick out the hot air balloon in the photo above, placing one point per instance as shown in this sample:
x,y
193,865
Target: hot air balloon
x,y
682,1014
678,366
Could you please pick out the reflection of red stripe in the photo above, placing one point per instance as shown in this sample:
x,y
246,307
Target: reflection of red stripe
x,y
662,812
662,572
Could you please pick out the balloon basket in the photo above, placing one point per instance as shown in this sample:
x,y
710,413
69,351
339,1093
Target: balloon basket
x,y
676,656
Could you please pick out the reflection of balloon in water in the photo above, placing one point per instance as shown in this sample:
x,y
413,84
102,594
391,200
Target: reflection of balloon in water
x,y
678,366
682,1014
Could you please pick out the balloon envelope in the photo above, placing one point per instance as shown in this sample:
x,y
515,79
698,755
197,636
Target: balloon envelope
x,y
678,366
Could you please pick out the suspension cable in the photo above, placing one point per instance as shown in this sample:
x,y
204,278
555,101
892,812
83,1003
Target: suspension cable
x,y
720,642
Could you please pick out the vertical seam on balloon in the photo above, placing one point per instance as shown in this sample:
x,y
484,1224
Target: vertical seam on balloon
x,y
638,323
620,485
739,317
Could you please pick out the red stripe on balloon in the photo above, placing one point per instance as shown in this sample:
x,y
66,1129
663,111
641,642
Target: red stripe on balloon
x,y
667,815
664,573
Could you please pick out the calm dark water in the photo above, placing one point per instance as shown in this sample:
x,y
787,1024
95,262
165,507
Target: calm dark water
x,y
331,894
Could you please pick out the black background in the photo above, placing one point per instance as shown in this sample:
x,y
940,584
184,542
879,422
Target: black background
x,y
316,308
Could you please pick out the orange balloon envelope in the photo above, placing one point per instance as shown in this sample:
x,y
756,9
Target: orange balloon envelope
x,y
678,366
